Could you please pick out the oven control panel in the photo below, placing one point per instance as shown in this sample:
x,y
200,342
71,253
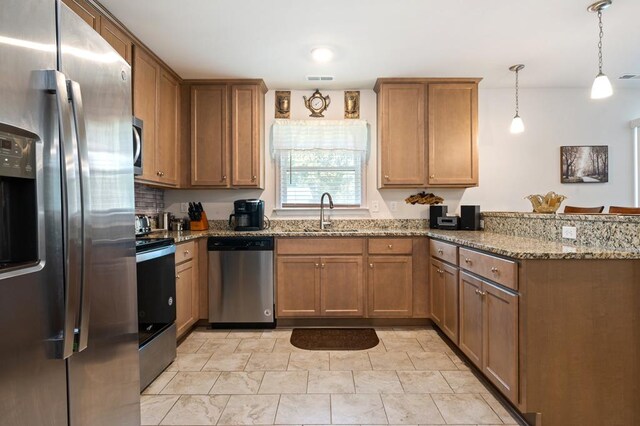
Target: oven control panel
x,y
17,156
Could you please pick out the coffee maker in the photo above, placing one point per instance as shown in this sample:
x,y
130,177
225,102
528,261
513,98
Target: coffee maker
x,y
248,214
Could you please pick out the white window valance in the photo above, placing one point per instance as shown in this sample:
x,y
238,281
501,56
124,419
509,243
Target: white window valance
x,y
347,135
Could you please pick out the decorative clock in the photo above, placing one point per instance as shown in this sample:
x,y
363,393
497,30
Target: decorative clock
x,y
317,103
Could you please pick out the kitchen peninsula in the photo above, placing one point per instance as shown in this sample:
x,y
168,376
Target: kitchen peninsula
x,y
531,314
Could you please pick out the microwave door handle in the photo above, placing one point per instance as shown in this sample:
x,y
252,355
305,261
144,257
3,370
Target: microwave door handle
x,y
136,135
85,197
71,210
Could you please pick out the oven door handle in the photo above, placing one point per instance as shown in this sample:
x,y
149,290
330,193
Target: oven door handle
x,y
154,254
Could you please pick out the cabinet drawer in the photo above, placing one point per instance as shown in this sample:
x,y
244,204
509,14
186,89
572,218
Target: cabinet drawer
x,y
184,251
445,251
496,269
320,246
390,246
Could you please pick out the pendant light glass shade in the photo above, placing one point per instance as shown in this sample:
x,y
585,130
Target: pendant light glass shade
x,y
601,87
517,125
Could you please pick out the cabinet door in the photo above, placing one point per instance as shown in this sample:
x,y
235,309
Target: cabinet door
x,y
87,12
245,135
341,286
298,286
450,316
436,280
186,314
167,136
501,339
402,135
116,38
390,286
471,318
209,136
146,74
453,126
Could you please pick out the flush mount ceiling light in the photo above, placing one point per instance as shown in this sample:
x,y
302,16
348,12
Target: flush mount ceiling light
x,y
517,125
601,85
321,54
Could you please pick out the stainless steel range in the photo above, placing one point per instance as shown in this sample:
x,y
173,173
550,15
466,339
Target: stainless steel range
x,y
155,264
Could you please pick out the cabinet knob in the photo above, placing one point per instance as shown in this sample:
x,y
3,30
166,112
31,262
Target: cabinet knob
x,y
432,176
317,265
386,177
390,246
440,271
467,260
477,291
494,270
371,265
224,178
158,173
322,266
177,277
186,252
440,251
253,178
483,293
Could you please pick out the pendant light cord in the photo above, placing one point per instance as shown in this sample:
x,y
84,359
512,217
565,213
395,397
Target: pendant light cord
x,y
517,90
600,35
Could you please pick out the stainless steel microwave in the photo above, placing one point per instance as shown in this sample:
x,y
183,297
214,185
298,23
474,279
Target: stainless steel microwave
x,y
137,146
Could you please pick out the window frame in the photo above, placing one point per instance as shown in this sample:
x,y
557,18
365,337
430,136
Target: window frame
x,y
313,207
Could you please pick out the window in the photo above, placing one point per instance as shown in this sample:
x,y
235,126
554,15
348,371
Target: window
x,y
314,157
306,174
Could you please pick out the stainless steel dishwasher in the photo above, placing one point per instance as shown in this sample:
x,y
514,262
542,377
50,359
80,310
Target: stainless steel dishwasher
x,y
241,281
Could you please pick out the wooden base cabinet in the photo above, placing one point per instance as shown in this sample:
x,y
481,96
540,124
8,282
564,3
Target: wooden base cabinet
x,y
444,297
187,288
471,318
390,286
309,286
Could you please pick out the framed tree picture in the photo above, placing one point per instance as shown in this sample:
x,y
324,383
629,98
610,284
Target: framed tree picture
x,y
584,164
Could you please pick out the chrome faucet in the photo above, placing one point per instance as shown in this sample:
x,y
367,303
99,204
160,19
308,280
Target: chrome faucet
x,y
325,224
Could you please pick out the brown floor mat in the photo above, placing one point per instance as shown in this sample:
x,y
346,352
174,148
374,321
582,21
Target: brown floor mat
x,y
334,339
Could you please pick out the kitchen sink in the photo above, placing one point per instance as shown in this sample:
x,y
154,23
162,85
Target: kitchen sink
x,y
329,230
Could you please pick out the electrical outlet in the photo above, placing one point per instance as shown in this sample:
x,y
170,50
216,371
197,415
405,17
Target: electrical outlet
x,y
393,206
184,207
569,232
375,207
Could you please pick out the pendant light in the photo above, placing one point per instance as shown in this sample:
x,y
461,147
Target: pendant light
x,y
601,85
517,125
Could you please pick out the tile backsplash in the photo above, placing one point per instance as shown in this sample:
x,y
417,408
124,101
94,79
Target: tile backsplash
x,y
149,201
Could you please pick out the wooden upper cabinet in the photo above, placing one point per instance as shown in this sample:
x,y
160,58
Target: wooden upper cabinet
x,y
146,79
390,286
117,38
401,140
246,135
452,112
209,135
87,12
167,140
427,132
342,286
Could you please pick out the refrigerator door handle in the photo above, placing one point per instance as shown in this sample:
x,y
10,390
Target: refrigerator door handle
x,y
85,198
71,211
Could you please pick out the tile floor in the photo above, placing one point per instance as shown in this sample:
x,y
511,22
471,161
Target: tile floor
x,y
258,378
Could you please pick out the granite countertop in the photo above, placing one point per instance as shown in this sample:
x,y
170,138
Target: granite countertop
x,y
504,245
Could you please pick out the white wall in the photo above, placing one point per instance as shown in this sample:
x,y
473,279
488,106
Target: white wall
x,y
511,166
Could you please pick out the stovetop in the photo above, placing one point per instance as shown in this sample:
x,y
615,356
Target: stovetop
x,y
150,243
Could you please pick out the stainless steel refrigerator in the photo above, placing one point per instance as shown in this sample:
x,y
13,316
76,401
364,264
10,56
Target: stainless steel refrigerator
x,y
68,309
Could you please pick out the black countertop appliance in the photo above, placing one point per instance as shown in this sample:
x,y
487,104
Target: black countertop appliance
x,y
248,215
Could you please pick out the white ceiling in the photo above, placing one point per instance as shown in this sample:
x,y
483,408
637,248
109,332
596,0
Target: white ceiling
x,y
271,39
